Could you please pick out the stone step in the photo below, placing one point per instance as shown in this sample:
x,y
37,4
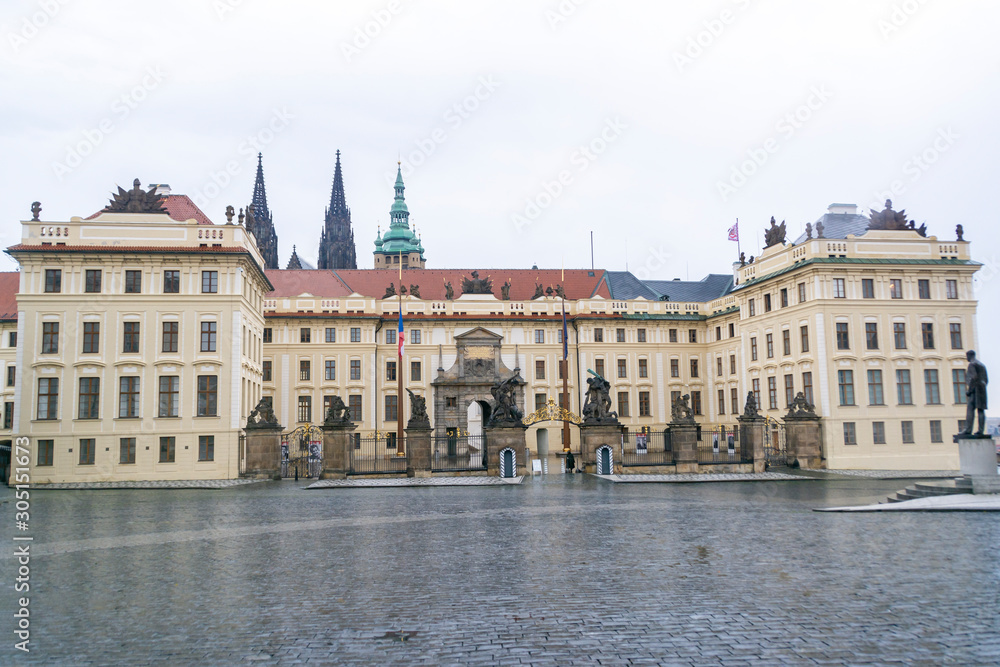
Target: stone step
x,y
931,489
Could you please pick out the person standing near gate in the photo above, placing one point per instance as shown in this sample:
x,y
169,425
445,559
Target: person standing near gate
x,y
975,395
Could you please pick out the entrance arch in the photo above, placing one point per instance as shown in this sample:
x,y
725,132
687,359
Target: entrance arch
x,y
478,415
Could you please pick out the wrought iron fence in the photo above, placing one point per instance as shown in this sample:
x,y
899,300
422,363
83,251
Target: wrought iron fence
x,y
647,448
723,445
377,454
302,452
458,453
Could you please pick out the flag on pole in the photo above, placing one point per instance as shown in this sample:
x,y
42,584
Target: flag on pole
x,y
565,335
400,336
734,232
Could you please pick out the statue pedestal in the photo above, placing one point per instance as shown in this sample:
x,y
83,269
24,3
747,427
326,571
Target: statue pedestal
x,y
595,436
804,442
684,443
337,443
499,438
752,440
263,452
978,461
418,448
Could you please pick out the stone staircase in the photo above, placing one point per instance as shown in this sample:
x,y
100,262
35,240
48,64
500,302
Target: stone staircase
x,y
948,487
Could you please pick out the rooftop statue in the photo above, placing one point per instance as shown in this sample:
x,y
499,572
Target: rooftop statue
x,y
135,200
775,234
597,407
539,292
390,291
418,412
505,291
36,210
477,285
959,232
415,291
560,291
819,229
889,219
449,291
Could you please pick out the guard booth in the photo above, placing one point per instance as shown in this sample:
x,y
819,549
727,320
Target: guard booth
x,y
605,460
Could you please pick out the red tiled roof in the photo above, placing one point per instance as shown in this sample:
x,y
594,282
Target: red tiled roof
x,y
293,282
179,207
10,282
579,283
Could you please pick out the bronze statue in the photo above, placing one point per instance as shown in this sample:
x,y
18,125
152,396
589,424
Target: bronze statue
x,y
504,410
597,406
402,289
680,410
889,219
775,234
959,231
337,414
505,291
560,292
449,291
415,291
418,412
750,410
263,415
539,292
390,291
477,285
743,259
135,200
975,396
36,210
800,408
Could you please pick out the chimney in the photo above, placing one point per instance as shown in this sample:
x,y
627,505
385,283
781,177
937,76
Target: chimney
x,y
161,188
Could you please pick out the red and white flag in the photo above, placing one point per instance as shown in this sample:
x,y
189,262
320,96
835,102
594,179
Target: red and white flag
x,y
734,232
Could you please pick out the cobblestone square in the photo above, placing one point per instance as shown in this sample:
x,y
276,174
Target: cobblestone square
x,y
557,570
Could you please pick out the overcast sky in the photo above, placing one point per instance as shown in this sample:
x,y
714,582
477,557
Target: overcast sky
x,y
522,126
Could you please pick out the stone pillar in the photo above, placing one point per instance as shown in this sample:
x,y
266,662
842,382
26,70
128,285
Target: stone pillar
x,y
978,460
499,438
752,440
337,446
684,444
804,442
418,448
263,452
594,436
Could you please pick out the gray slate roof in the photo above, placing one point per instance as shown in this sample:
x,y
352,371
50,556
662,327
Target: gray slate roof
x,y
624,285
839,225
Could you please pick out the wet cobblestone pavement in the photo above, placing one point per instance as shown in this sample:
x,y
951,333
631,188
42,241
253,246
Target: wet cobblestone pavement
x,y
555,571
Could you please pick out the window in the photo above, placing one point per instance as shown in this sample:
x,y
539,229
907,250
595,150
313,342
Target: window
x,y
415,337
390,371
50,338
130,338
644,368
672,335
133,282
53,281
92,281
904,394
644,404
878,433
718,366
355,369
451,401
932,388
391,408
641,335
169,396
126,450
675,368
208,336
804,338
599,366
718,333
936,431
268,334
622,368
209,283
850,435
951,288
12,339
390,336
732,364
539,336
927,332
784,297
807,387
692,335
8,414
267,369
540,401
753,309
331,335
46,449
875,396
87,447
871,335
753,348
956,335
802,292
128,397
48,398
390,440
208,395
355,334
305,370
354,404
91,337
896,288
755,383
330,369
539,369
305,335
11,375
899,335
924,288
206,447
867,288
732,329
769,345
171,282
620,335
90,398
767,303
598,335
907,427
786,342
304,412
845,380
623,404
958,385
167,445
734,400
789,389
772,393
843,339
839,289
694,368
696,402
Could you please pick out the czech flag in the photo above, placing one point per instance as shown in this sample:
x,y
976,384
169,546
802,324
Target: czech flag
x,y
400,335
734,232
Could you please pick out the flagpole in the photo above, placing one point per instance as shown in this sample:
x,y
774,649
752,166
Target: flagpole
x,y
400,449
565,364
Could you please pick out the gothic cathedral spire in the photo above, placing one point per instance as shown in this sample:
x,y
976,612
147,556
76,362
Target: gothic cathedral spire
x,y
260,222
336,243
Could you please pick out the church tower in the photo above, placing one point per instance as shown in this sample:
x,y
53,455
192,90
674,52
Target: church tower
x,y
336,243
399,245
260,222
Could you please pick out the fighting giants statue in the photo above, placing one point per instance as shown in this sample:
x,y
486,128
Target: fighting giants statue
x,y
975,396
418,412
680,410
597,408
750,410
338,414
504,411
800,408
263,415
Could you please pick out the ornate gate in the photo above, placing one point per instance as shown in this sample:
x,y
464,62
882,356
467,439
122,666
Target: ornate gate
x,y
774,443
302,452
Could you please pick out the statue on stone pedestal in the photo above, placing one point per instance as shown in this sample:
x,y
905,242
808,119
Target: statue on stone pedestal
x,y
263,415
36,210
960,233
418,412
975,396
775,234
505,291
597,407
449,291
415,291
800,408
338,413
750,410
504,411
680,410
